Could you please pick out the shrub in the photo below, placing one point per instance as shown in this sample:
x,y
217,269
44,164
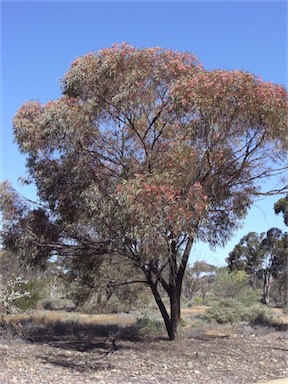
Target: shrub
x,y
198,300
36,290
231,311
285,309
56,304
230,284
10,292
249,297
147,325
226,311
262,316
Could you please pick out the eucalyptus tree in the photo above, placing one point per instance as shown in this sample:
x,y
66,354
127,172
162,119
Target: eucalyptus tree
x,y
247,256
282,206
263,257
145,153
198,279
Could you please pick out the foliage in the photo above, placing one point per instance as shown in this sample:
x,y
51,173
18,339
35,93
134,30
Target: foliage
x,y
105,287
38,283
234,285
36,289
11,291
28,231
198,279
57,304
226,311
129,297
232,298
235,301
232,311
282,206
145,153
261,316
41,324
147,325
263,257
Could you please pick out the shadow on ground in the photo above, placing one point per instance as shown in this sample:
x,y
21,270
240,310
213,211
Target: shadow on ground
x,y
78,346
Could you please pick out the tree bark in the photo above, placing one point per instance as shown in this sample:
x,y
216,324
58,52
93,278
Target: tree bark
x,y
173,289
266,287
162,309
175,310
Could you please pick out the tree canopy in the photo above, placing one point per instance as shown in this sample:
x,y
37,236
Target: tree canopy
x,y
282,206
262,256
145,153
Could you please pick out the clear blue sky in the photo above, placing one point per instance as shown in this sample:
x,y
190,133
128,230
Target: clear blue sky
x,y
41,39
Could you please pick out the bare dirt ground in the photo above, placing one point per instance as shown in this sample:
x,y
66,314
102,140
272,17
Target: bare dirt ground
x,y
205,355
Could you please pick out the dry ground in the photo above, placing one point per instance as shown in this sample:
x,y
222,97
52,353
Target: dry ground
x,y
221,355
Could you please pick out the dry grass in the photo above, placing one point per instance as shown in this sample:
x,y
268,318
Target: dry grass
x,y
44,325
195,310
278,312
36,323
48,317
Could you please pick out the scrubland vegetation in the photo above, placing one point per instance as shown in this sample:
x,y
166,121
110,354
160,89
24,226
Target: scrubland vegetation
x,y
145,153
229,301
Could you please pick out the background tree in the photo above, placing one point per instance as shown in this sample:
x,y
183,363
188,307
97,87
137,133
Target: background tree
x,y
232,298
282,206
109,286
145,153
273,252
27,231
282,282
261,256
231,285
279,266
41,284
247,256
197,280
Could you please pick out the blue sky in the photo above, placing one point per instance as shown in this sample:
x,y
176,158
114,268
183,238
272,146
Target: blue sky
x,y
40,40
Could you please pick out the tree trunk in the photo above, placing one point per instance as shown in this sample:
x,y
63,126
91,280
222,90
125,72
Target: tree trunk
x,y
253,281
266,287
175,315
176,278
172,322
173,289
162,308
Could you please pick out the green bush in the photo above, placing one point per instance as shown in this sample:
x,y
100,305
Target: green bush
x,y
147,325
262,316
230,284
249,297
226,311
36,290
56,304
198,300
231,311
11,292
